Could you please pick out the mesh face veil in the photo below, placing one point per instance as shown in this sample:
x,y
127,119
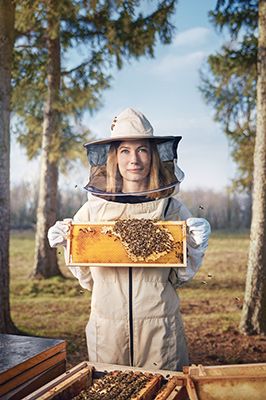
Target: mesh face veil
x,y
105,179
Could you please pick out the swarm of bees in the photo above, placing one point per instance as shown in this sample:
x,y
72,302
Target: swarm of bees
x,y
119,385
143,239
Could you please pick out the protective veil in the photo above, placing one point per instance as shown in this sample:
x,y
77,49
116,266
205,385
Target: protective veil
x,y
164,156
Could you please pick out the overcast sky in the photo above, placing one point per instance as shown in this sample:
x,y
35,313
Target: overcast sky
x,y
165,89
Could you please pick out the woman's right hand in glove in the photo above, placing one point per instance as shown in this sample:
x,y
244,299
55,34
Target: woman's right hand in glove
x,y
57,234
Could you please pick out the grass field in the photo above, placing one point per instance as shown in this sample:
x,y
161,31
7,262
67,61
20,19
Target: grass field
x,y
210,304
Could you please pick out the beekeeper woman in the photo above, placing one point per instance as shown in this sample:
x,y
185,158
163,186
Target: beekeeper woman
x,y
135,318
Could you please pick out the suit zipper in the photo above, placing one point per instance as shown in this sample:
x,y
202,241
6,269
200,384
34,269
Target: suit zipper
x,y
130,304
130,315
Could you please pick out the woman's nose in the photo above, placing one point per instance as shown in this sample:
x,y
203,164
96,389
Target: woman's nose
x,y
134,157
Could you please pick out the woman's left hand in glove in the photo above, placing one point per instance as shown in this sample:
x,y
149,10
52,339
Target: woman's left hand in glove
x,y
198,230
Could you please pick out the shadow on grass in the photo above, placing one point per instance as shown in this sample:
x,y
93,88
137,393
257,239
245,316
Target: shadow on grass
x,y
56,286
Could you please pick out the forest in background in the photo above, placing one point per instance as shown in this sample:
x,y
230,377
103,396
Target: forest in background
x,y
224,209
47,95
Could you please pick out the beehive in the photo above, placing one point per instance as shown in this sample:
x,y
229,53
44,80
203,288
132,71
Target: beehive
x,y
27,363
100,382
94,244
230,382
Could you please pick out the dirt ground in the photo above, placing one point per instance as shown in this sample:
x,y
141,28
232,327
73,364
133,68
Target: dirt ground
x,y
211,348
208,344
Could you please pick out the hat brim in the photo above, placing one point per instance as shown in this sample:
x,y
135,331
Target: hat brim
x,y
157,139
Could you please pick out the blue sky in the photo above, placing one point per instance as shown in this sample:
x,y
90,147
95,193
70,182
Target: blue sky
x,y
165,89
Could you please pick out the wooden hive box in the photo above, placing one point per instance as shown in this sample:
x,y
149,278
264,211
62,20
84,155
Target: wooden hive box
x,y
226,382
230,382
27,363
82,376
88,244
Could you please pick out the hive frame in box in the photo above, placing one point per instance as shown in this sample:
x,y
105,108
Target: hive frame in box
x,y
234,382
100,244
81,377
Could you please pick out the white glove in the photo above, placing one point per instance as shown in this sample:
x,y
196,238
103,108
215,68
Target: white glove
x,y
57,234
198,230
83,274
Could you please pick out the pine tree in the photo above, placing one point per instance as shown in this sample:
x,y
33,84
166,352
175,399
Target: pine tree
x,y
45,257
47,94
228,82
7,37
253,320
236,88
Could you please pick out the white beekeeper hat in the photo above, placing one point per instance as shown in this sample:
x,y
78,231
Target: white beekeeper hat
x,y
131,125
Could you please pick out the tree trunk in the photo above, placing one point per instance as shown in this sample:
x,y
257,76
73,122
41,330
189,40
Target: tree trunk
x,y
253,320
46,264
7,21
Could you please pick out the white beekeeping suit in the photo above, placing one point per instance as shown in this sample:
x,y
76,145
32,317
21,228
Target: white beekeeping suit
x,y
135,317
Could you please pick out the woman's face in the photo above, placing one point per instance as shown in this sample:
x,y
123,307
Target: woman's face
x,y
134,161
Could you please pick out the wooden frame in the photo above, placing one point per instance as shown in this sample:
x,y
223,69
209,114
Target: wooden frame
x,y
81,377
234,382
88,246
65,386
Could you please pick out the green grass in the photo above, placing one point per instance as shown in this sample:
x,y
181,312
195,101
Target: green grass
x,y
60,308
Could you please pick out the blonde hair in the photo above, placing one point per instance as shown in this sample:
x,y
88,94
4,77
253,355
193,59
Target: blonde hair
x,y
160,174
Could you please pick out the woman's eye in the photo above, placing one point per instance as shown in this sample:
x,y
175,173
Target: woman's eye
x,y
142,150
124,151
